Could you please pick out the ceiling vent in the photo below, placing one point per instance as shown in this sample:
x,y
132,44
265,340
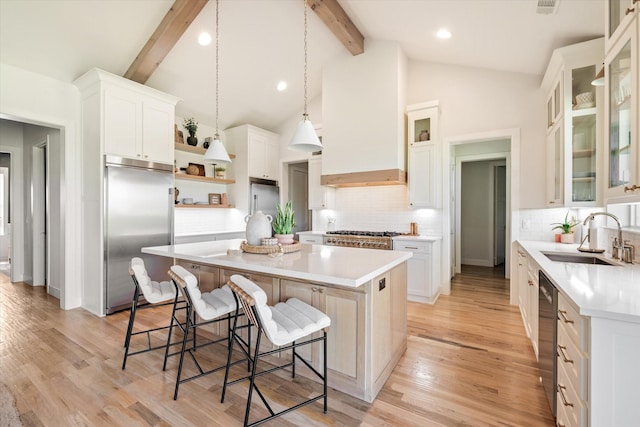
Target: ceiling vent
x,y
547,7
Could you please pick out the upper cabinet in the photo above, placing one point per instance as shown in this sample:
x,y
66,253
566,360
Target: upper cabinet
x,y
574,125
320,196
621,113
135,121
422,144
257,147
620,15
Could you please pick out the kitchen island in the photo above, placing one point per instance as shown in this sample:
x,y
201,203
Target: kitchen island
x,y
363,291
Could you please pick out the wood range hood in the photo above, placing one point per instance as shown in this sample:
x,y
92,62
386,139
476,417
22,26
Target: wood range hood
x,y
365,179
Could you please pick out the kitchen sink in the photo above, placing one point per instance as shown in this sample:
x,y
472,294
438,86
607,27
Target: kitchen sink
x,y
579,259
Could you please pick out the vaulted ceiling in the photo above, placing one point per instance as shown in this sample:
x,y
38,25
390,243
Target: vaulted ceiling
x,y
261,44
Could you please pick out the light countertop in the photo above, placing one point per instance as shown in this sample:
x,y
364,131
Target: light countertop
x,y
610,292
334,265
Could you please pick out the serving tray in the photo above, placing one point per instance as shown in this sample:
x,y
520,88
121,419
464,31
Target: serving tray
x,y
271,249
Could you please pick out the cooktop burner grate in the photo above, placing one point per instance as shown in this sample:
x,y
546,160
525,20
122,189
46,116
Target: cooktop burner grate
x,y
364,233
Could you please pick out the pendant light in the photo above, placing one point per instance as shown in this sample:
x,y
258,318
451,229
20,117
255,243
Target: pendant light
x,y
599,80
216,153
305,138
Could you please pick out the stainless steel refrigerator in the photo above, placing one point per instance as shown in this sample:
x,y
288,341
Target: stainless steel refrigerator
x,y
138,213
264,195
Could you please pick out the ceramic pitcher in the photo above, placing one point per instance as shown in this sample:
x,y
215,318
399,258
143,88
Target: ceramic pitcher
x,y
258,227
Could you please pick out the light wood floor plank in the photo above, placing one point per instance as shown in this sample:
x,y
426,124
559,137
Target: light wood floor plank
x,y
468,362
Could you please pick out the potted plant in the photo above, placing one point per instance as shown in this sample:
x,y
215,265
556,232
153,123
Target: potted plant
x,y
191,126
220,171
283,223
567,235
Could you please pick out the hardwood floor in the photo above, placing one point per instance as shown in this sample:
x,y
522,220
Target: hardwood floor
x,y
468,362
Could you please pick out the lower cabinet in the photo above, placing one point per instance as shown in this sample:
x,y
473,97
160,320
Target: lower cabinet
x,y
310,238
572,366
528,296
423,268
208,276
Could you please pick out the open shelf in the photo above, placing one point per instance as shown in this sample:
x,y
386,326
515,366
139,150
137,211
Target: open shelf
x,y
203,206
195,150
186,177
584,153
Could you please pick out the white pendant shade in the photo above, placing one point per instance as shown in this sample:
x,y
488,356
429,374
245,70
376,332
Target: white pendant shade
x,y
216,153
305,138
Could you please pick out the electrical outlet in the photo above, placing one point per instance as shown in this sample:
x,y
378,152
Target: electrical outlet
x,y
526,224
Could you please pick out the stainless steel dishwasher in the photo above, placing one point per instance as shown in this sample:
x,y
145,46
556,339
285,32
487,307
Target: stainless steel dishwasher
x,y
547,337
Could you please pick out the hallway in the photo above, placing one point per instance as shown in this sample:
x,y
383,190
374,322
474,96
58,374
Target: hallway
x,y
468,362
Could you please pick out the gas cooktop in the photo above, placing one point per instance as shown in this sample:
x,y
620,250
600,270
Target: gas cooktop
x,y
364,233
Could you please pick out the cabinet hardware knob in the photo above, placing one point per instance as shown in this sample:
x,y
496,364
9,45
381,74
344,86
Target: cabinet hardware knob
x,y
321,290
629,10
562,396
561,350
563,314
314,289
530,282
631,188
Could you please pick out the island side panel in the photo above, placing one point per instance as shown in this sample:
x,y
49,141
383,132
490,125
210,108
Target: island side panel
x,y
388,320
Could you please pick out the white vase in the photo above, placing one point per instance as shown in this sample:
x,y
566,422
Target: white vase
x,y
567,238
258,227
285,239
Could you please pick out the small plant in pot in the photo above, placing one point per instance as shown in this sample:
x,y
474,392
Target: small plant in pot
x,y
220,171
191,126
283,223
567,235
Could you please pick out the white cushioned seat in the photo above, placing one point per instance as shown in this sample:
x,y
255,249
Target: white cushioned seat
x,y
286,321
208,305
154,292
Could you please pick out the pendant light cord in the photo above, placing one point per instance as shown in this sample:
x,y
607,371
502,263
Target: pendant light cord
x,y
304,114
217,70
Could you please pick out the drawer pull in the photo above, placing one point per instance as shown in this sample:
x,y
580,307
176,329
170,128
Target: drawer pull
x,y
412,247
561,350
562,396
563,314
314,289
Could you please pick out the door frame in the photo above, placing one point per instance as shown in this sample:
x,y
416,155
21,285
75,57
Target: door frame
x,y
449,195
40,215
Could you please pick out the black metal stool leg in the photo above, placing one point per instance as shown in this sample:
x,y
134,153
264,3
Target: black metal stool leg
x,y
182,351
252,380
324,343
173,319
293,360
132,317
232,335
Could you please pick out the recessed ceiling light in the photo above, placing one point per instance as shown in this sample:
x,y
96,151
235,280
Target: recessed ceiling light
x,y
204,39
282,85
443,34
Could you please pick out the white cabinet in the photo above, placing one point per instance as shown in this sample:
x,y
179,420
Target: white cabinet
x,y
619,16
423,268
423,164
622,92
263,153
528,296
573,365
136,121
320,196
574,125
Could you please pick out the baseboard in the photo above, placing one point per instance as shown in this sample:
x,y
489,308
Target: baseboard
x,y
477,262
54,292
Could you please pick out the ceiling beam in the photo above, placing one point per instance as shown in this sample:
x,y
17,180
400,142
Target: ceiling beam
x,y
173,25
334,17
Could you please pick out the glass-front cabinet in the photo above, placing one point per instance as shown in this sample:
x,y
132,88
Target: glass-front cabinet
x,y
621,115
620,14
574,125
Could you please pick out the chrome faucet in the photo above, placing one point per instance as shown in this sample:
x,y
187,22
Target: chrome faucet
x,y
617,248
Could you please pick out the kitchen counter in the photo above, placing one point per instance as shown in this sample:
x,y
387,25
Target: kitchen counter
x,y
363,291
600,291
333,265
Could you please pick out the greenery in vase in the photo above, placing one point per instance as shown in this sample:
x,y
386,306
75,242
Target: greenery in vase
x,y
567,225
190,125
283,222
220,169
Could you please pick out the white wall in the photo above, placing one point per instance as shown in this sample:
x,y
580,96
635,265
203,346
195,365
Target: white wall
x,y
40,100
474,100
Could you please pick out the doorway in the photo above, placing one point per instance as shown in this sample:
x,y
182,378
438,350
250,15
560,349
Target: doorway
x,y
5,221
298,193
40,216
504,143
481,212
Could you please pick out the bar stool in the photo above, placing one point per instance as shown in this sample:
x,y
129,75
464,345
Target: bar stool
x,y
282,324
157,294
211,307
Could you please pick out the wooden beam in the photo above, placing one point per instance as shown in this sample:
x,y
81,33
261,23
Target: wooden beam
x,y
173,25
334,17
